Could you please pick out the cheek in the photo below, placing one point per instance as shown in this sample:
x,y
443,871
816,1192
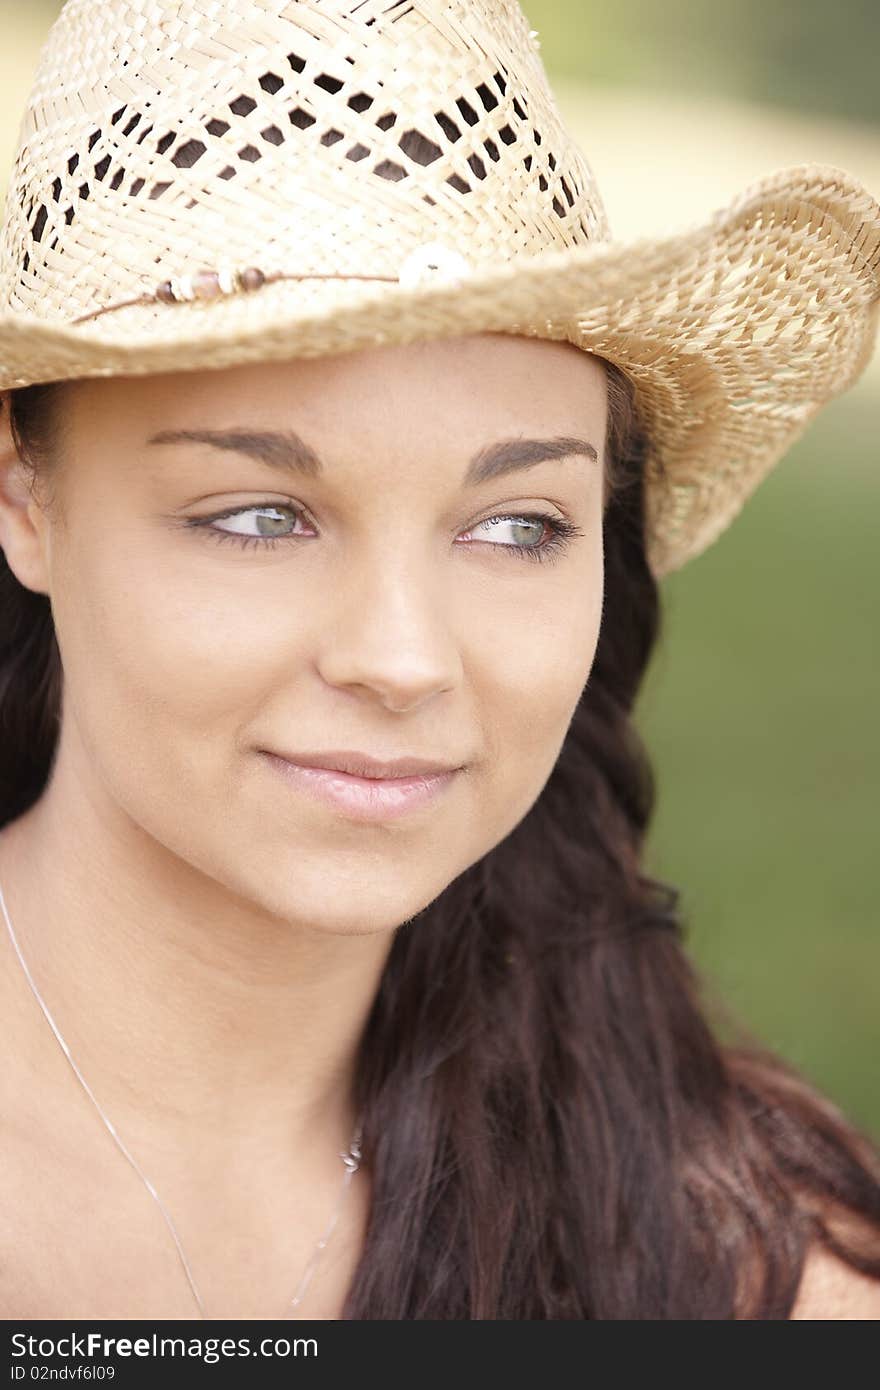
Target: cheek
x,y
164,663
540,667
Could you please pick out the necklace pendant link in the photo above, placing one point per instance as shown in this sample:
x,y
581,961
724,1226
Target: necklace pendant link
x,y
352,1159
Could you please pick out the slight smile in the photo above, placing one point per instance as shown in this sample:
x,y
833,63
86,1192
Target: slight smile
x,y
364,798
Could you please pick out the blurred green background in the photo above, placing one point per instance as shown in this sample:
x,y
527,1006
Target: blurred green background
x,y
761,707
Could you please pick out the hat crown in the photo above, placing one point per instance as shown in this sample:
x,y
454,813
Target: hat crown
x,y
322,137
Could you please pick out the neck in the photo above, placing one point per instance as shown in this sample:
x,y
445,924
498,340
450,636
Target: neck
x,y
199,1019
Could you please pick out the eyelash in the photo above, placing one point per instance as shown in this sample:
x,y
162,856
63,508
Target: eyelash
x,y
562,531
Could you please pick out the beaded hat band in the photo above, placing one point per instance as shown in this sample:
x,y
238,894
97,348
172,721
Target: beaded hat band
x,y
431,260
198,185
211,284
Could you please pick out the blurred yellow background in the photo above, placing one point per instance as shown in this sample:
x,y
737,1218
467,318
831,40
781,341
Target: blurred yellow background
x,y
762,705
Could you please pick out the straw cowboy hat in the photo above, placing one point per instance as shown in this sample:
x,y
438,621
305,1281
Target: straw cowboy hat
x,y
200,184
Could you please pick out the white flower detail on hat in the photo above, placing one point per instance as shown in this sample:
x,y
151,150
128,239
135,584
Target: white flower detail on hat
x,y
433,262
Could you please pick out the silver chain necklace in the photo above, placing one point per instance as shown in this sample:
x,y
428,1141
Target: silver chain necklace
x,y
351,1159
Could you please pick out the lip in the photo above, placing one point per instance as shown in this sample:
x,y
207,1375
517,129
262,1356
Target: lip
x,y
362,765
365,798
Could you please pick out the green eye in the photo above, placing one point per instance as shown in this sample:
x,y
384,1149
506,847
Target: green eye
x,y
561,532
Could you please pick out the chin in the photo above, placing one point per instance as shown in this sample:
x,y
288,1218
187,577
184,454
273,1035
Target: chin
x,y
338,906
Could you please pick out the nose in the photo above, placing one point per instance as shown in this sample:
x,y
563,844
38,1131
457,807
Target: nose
x,y
390,630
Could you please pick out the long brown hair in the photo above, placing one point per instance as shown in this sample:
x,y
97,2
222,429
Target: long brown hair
x,y
553,1129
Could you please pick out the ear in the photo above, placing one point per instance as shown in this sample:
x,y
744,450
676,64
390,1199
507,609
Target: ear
x,y
24,534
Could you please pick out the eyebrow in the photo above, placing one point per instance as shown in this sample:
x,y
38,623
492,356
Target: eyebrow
x,y
285,450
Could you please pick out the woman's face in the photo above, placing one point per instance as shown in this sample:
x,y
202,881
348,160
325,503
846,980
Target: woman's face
x,y
353,591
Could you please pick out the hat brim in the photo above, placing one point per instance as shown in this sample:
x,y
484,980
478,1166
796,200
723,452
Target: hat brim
x,y
734,333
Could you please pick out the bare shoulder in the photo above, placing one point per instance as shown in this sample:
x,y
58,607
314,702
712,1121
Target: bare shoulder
x,y
830,1288
811,1146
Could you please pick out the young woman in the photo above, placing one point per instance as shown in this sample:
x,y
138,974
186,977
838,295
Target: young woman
x,y
324,605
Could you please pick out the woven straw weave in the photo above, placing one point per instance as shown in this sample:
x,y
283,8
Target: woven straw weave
x,y
418,144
